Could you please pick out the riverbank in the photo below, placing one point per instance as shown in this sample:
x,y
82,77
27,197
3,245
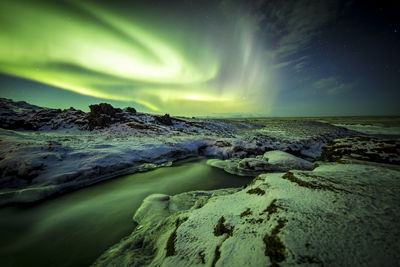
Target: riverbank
x,y
75,228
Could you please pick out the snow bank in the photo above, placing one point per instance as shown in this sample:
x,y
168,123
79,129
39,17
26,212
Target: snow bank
x,y
271,161
337,215
282,161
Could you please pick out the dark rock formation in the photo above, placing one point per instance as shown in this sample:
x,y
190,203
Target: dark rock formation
x,y
131,110
103,115
102,108
21,115
24,116
100,115
166,119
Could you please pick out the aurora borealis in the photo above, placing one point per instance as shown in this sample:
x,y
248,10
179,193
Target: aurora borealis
x,y
187,57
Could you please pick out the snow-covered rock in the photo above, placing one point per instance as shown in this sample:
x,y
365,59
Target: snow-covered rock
x,y
336,215
282,161
271,161
367,148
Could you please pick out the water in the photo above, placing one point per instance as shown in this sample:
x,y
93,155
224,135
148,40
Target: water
x,y
74,229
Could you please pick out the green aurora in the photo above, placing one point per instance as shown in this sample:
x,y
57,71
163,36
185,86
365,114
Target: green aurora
x,y
96,51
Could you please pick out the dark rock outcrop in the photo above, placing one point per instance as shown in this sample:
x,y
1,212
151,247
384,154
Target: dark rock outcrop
x,y
131,110
21,115
101,115
166,119
103,108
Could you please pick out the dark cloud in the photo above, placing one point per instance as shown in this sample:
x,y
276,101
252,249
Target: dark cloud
x,y
287,27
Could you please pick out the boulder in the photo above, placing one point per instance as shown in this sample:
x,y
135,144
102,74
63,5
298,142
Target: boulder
x,y
103,108
166,119
271,161
282,161
253,164
101,115
131,110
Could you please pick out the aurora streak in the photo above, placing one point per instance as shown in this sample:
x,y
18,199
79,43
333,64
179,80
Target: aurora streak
x,y
90,50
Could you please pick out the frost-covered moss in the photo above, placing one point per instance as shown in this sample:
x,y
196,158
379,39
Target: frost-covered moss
x,y
217,255
170,247
221,229
271,209
274,248
257,191
247,212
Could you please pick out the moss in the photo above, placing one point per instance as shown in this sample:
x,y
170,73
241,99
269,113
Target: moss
x,y
257,191
271,209
217,255
292,178
361,148
171,244
245,213
258,178
307,174
170,247
329,154
309,260
274,247
202,257
254,221
312,185
221,229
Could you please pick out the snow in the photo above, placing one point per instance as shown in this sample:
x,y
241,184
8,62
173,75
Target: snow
x,y
349,217
52,163
47,151
271,161
282,161
340,211
372,129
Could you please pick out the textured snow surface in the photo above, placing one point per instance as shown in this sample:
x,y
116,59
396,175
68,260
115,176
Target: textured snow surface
x,y
271,161
282,161
335,215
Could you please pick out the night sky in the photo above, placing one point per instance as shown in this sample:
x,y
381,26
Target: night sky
x,y
204,57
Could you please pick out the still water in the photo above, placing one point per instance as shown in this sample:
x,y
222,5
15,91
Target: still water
x,y
74,229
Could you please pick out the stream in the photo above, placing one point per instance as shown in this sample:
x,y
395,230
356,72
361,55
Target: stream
x,y
75,228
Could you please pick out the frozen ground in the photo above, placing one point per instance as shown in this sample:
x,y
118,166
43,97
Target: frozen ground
x,y
344,212
49,151
336,215
388,127
324,194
